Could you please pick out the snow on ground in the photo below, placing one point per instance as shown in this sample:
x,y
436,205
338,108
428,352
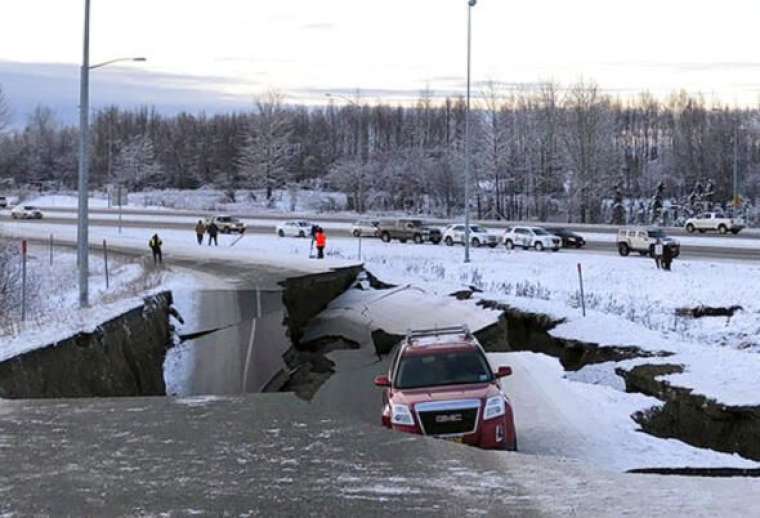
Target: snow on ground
x,y
261,250
570,415
53,313
629,301
208,199
557,416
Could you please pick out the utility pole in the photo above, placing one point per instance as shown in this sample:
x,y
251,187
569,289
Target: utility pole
x,y
736,169
470,5
84,162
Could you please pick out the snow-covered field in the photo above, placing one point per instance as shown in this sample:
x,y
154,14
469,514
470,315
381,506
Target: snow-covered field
x,y
53,311
208,199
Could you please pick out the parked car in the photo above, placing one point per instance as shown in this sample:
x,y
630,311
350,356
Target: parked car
x,y
714,221
26,212
642,240
294,229
3,202
569,239
440,384
408,229
531,237
479,236
227,224
365,228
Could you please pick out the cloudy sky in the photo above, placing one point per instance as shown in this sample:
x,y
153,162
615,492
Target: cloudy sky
x,y
217,55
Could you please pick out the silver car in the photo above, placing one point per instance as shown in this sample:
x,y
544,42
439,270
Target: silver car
x,y
365,228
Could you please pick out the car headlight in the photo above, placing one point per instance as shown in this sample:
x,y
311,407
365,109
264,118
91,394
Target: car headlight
x,y
401,415
496,406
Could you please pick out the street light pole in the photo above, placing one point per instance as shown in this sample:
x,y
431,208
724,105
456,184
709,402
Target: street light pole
x,y
84,159
84,162
470,5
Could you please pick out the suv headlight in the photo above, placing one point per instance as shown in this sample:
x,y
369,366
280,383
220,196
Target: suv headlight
x,y
495,407
401,415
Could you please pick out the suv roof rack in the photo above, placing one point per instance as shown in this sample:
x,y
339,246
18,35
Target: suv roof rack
x,y
438,331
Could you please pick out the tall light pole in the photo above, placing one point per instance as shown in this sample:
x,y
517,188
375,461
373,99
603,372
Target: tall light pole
x,y
84,159
470,5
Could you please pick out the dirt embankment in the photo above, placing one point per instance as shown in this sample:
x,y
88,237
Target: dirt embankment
x,y
121,357
693,418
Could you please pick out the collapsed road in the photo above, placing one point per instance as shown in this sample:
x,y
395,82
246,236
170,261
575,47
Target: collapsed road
x,y
271,454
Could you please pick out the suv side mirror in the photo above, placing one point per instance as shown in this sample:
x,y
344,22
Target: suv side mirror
x,y
382,381
503,372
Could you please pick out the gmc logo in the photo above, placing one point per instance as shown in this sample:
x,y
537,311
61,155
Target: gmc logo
x,y
451,418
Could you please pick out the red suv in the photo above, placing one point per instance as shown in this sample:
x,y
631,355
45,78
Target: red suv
x,y
441,384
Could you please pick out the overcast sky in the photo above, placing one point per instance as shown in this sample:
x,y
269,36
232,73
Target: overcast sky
x,y
216,55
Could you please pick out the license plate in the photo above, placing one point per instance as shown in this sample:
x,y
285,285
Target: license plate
x,y
453,439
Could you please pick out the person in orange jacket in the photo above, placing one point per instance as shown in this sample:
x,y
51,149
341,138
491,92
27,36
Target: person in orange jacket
x,y
321,240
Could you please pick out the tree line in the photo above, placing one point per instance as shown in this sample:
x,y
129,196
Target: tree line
x,y
534,152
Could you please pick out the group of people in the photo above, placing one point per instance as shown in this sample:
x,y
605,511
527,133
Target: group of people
x,y
663,255
318,236
213,232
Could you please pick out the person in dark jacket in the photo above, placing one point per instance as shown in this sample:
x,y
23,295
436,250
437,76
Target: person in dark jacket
x,y
667,257
200,230
213,232
155,247
321,240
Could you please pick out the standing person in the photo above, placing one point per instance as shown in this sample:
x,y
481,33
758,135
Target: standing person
x,y
314,229
155,247
213,232
667,258
321,240
200,230
658,251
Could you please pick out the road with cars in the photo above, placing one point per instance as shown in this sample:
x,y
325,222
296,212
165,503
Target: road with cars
x,y
599,238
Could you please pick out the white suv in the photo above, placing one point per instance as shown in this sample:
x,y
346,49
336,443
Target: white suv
x,y
643,241
714,221
531,237
227,224
479,236
26,212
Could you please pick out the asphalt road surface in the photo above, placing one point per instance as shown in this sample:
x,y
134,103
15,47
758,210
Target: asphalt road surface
x,y
68,217
322,218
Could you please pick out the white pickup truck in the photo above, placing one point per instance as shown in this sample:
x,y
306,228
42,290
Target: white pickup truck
x,y
714,221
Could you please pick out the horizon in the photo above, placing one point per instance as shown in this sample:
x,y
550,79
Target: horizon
x,y
218,60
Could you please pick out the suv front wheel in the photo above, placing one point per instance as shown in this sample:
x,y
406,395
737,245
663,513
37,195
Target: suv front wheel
x,y
624,249
690,228
539,246
385,237
508,244
449,241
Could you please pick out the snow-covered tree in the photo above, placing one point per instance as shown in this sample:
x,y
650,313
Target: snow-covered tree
x,y
135,166
5,111
266,157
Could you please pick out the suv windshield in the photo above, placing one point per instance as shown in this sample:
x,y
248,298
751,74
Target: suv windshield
x,y
455,368
656,233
